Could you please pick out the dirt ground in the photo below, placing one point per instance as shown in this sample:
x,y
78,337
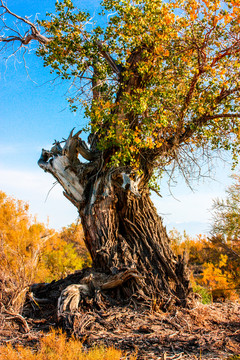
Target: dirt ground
x,y
202,332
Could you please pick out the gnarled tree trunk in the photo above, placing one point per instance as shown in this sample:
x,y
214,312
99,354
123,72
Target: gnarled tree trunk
x,y
121,225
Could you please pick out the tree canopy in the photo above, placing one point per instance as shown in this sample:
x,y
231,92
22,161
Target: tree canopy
x,y
158,80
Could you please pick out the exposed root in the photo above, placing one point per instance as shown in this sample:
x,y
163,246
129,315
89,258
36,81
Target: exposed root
x,y
207,332
89,288
70,298
82,291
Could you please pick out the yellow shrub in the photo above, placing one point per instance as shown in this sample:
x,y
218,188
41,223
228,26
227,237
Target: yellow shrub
x,y
213,272
219,279
73,234
194,248
55,346
30,252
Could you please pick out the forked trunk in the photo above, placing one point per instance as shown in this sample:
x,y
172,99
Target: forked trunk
x,y
121,225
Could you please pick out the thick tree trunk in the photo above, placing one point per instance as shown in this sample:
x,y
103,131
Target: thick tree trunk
x,y
123,230
121,225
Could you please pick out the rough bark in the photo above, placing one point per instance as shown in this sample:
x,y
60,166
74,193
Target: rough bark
x,y
121,225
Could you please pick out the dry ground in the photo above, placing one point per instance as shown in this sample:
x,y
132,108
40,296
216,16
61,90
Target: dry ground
x,y
202,332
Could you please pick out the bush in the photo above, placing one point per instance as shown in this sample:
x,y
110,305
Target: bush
x,y
214,271
30,252
206,296
55,346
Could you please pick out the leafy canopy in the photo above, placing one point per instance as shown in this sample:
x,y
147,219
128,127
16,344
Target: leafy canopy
x,y
158,80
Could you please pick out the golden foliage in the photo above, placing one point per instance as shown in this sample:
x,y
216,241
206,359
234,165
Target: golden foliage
x,y
73,234
30,252
213,272
55,346
178,86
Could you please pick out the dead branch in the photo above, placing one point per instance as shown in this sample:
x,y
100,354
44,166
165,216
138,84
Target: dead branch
x,y
19,319
31,34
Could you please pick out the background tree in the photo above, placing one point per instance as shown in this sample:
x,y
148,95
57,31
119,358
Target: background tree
x,y
226,213
159,83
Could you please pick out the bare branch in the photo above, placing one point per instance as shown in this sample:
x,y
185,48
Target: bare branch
x,y
27,37
17,16
189,95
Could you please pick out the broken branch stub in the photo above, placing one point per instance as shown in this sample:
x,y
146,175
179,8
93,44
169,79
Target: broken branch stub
x,y
64,165
60,167
74,176
75,145
71,296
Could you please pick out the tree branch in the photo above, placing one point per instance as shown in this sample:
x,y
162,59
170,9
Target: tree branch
x,y
218,116
191,128
17,16
189,95
35,33
229,51
111,62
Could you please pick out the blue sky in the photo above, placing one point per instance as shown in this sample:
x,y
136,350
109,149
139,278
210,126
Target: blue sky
x,y
34,112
